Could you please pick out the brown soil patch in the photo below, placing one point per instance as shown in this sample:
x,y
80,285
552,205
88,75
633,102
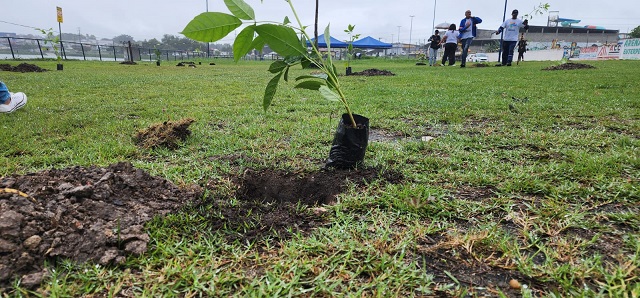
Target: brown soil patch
x,y
569,66
486,273
82,214
167,134
22,67
98,214
128,63
373,72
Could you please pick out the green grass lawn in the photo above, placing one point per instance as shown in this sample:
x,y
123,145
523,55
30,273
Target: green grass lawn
x,y
530,171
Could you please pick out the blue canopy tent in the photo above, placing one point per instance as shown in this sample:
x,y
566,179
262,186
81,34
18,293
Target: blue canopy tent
x,y
322,44
370,43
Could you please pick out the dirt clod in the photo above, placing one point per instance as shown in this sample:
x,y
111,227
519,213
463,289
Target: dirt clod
x,y
373,72
22,67
81,214
569,66
167,134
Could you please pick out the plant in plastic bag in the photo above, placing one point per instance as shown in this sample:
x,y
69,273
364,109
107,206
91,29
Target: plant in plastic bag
x,y
352,37
287,40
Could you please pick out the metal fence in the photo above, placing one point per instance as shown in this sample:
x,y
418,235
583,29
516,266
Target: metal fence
x,y
30,48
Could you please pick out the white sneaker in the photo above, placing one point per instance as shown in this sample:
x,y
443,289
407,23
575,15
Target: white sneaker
x,y
18,100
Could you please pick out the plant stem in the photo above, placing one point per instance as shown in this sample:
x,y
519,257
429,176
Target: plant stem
x,y
331,75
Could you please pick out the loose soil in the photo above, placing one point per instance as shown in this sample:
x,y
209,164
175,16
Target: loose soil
x,y
569,66
373,72
167,134
82,214
22,67
99,214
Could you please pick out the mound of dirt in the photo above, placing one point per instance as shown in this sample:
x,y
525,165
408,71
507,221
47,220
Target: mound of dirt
x,y
166,134
128,63
82,214
569,66
22,67
373,72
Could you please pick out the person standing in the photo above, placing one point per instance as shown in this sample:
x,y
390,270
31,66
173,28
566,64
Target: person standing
x,y
9,101
468,31
511,29
433,48
522,48
450,40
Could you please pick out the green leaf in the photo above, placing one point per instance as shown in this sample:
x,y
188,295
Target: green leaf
x,y
286,21
258,44
327,39
318,76
270,91
243,43
311,85
211,26
240,9
286,74
281,39
328,94
277,66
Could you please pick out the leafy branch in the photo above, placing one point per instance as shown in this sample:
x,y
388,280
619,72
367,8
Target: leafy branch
x,y
53,40
282,38
537,10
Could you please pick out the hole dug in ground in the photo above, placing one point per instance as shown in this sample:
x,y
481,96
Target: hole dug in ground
x,y
92,214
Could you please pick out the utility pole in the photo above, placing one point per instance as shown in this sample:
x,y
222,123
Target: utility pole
x,y
433,23
410,30
399,39
79,36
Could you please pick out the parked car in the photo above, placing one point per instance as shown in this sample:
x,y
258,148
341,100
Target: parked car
x,y
478,57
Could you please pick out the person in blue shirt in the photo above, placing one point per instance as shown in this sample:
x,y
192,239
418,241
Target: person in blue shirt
x,y
511,28
10,102
468,31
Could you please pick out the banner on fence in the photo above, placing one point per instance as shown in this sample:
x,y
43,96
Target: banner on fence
x,y
588,53
609,51
630,49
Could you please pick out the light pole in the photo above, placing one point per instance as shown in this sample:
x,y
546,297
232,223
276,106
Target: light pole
x,y
433,23
504,17
410,30
399,44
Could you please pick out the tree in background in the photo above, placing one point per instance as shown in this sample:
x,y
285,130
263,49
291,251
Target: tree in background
x,y
635,33
122,38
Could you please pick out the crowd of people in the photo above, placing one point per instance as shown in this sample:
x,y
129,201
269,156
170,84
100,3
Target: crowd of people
x,y
467,31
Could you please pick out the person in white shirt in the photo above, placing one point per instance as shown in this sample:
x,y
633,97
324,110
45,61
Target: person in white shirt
x,y
450,40
511,29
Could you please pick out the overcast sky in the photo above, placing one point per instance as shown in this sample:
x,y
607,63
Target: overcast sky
x,y
147,19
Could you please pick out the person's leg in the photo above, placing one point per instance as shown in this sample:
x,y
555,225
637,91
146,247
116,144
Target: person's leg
x,y
451,48
511,46
505,52
466,43
432,56
520,56
5,97
15,102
